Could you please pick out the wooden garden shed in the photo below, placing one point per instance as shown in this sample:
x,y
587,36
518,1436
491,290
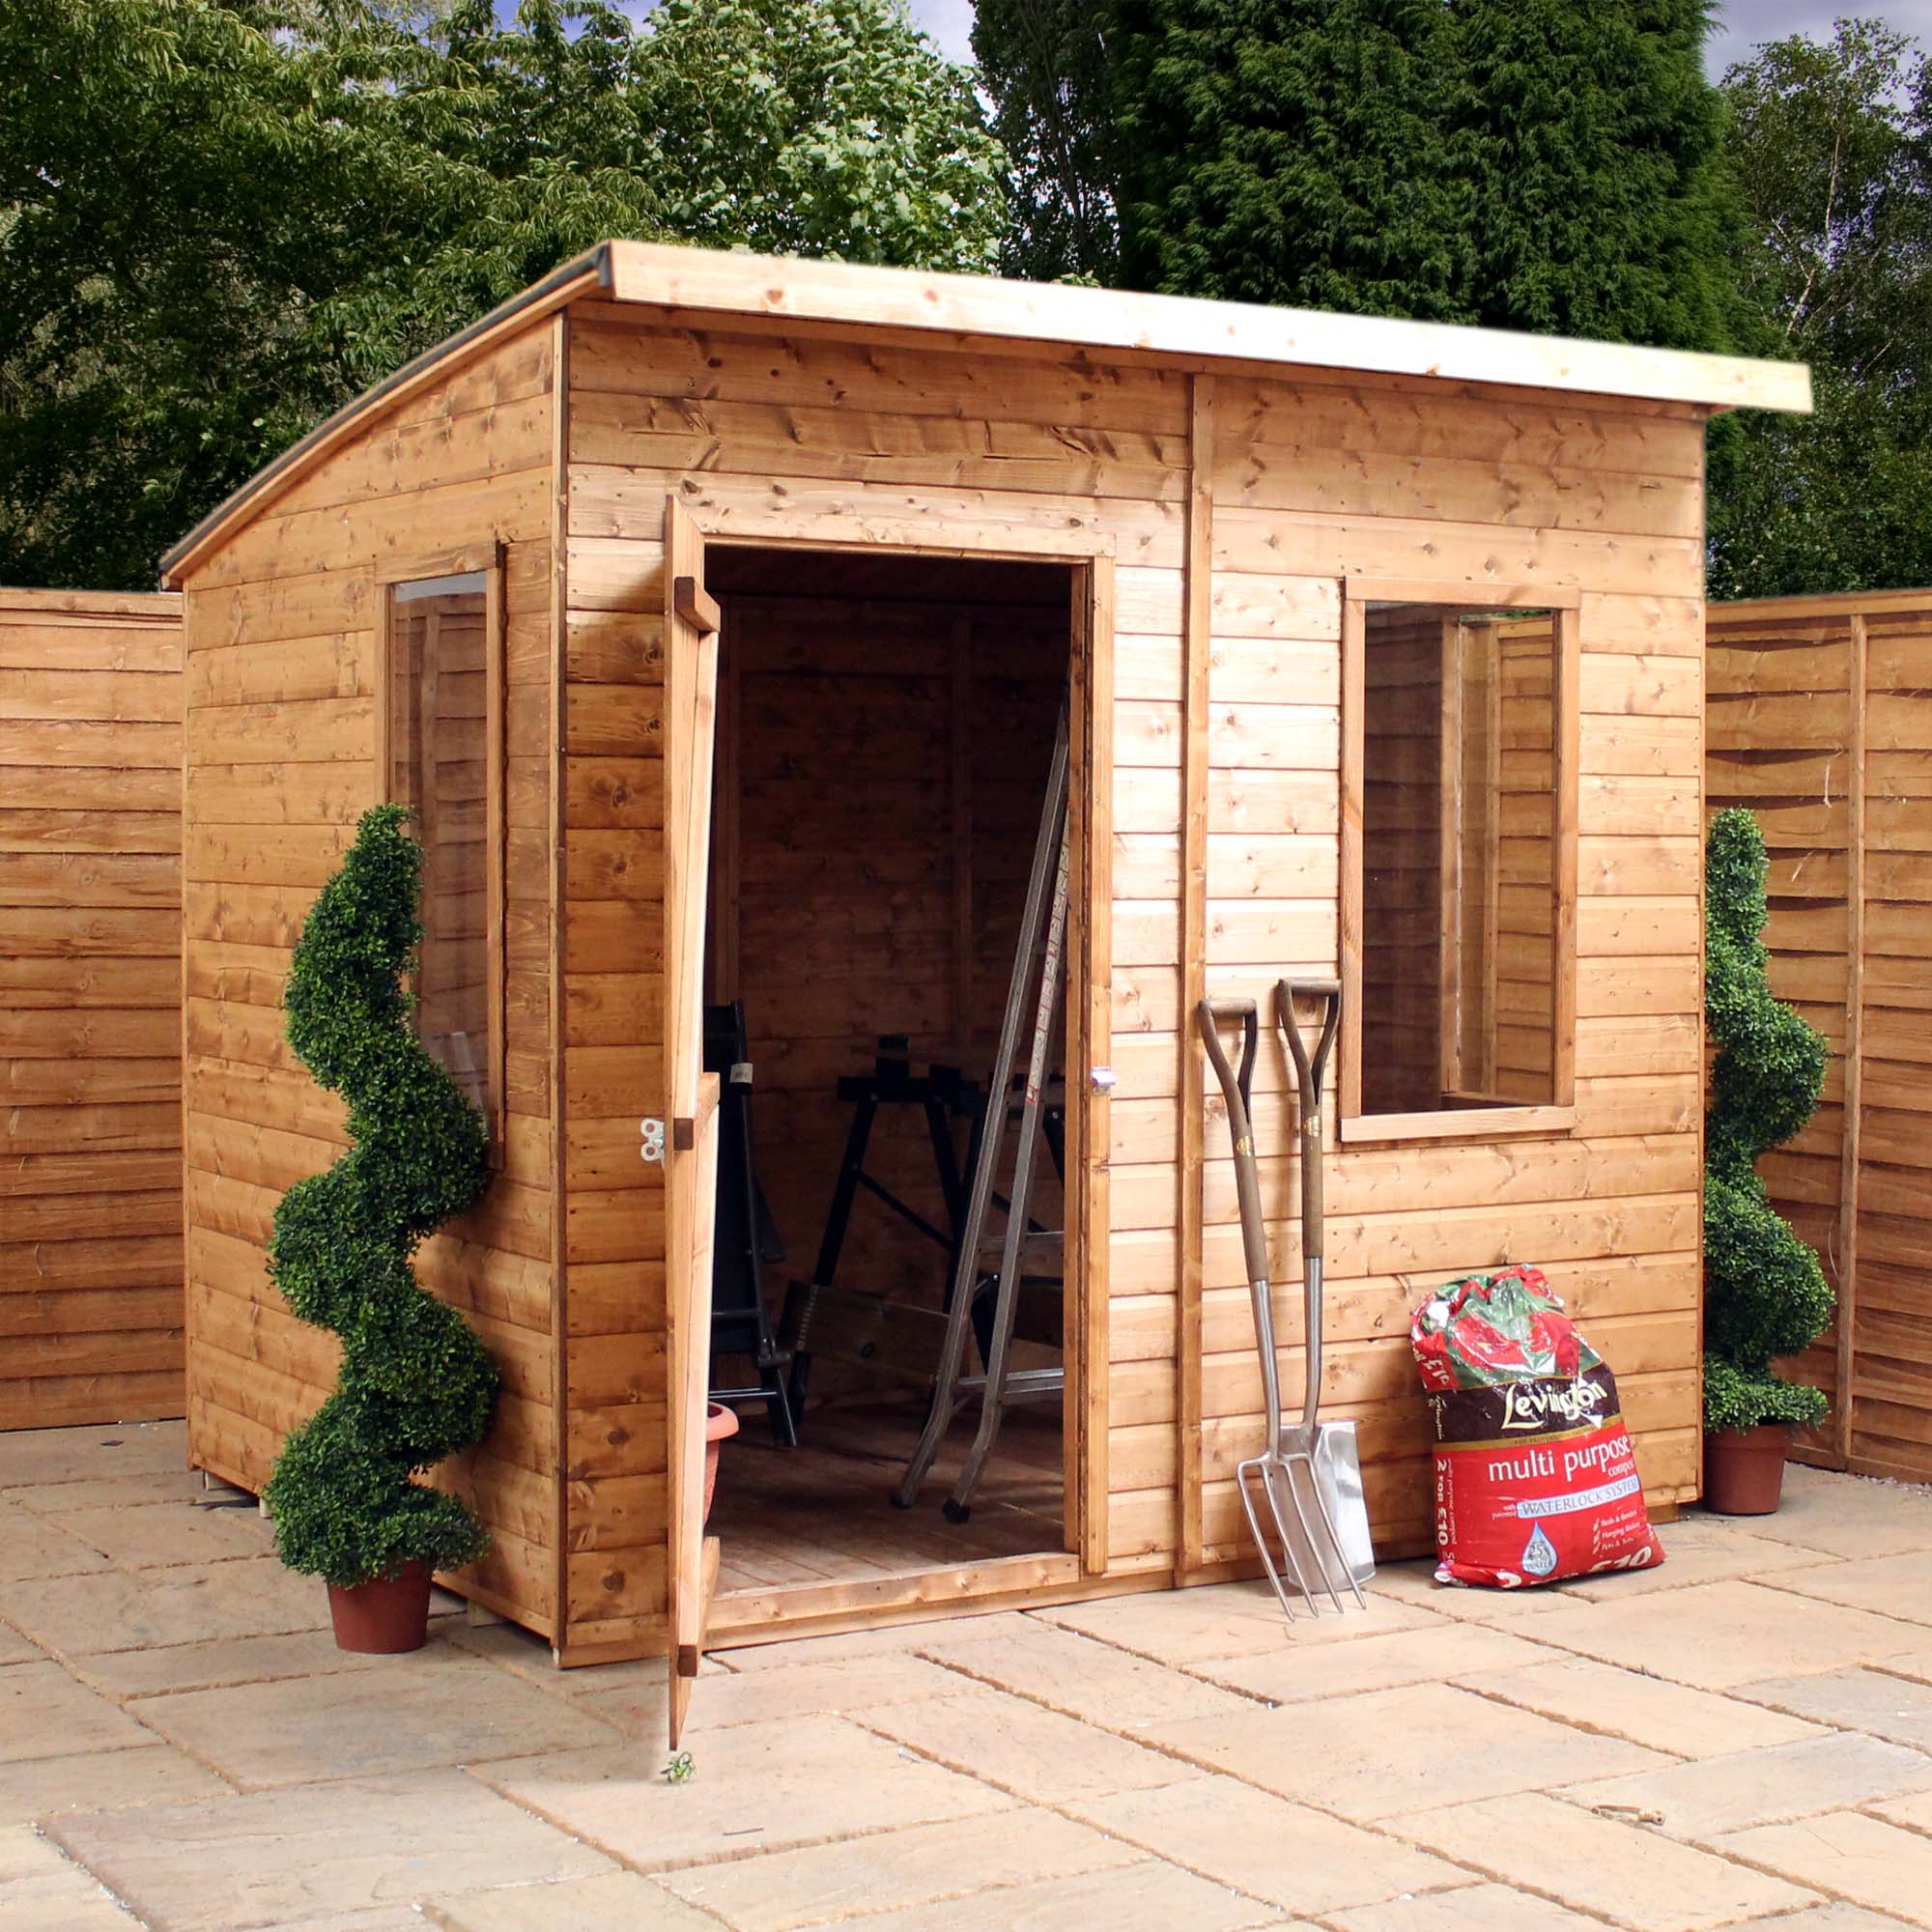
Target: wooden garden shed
x,y
1821,723
89,1008
717,613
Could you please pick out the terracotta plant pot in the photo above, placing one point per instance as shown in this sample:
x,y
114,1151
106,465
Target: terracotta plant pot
x,y
719,1423
385,1617
1744,1468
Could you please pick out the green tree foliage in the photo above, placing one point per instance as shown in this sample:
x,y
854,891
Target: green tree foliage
x,y
415,1383
1832,146
1764,1295
1593,150
218,222
1045,65
1521,163
1293,151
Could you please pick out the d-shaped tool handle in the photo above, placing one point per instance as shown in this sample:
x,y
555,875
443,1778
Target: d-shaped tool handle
x,y
1310,1070
1236,1088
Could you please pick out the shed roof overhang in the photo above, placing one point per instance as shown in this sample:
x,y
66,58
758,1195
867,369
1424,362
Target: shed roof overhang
x,y
708,281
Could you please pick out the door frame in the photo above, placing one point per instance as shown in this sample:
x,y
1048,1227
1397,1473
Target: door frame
x,y
750,1616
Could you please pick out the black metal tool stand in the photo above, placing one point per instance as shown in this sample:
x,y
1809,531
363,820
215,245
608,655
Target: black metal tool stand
x,y
745,1236
944,1096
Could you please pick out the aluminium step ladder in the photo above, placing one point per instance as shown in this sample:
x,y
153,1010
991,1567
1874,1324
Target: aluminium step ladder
x,y
1038,979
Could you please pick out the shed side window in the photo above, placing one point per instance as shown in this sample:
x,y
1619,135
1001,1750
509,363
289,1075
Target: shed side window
x,y
1462,876
444,743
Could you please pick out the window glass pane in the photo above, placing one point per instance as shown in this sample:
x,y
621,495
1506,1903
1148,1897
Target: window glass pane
x,y
439,745
1459,864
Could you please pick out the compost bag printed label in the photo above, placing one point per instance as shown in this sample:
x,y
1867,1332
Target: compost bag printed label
x,y
1535,1477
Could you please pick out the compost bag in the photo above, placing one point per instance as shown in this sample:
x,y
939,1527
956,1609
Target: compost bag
x,y
1535,1477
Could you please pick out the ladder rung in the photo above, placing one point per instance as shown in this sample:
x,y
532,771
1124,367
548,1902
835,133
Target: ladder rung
x,y
1023,1385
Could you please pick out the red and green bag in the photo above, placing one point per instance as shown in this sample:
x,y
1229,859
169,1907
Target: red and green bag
x,y
1535,1476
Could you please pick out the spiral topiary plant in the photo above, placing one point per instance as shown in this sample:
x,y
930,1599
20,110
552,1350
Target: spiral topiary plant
x,y
1764,1295
415,1383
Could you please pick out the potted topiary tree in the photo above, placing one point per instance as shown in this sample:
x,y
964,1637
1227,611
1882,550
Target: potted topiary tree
x,y
415,1384
1764,1295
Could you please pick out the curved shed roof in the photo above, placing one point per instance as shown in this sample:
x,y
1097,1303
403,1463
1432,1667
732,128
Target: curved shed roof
x,y
724,283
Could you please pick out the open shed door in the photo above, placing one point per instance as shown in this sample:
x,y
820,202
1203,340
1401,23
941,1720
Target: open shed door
x,y
691,1095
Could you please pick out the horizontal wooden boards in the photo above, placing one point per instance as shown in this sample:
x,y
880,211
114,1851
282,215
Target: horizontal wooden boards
x,y
284,620
90,1022
1822,726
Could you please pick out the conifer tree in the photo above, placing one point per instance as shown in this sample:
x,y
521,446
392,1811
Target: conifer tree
x,y
1292,151
1592,149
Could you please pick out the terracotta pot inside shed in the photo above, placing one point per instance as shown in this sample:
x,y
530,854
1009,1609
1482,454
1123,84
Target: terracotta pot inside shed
x,y
719,1423
385,1617
1744,1469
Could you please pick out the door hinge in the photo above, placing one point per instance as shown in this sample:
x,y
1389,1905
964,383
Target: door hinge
x,y
653,1149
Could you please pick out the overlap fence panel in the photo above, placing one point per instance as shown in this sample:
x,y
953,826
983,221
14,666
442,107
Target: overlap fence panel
x,y
1821,723
89,1008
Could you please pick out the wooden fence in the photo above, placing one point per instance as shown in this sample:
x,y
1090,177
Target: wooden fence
x,y
89,1008
1821,723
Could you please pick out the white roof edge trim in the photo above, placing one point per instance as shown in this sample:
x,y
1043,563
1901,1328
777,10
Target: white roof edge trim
x,y
669,276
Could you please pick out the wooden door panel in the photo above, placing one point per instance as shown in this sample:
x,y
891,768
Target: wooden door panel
x,y
690,1151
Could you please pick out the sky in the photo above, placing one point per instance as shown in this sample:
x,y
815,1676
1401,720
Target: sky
x,y
1741,23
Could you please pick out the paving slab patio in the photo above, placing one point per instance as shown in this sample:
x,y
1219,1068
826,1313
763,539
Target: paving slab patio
x,y
1742,1737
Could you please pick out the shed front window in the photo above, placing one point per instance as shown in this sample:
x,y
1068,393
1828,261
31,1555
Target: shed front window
x,y
1460,865
444,761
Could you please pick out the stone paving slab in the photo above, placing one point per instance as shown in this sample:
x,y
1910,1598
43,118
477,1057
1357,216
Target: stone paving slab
x,y
118,1609
1717,1636
1698,1550
43,1713
447,1709
760,1696
218,1662
1893,1586
1081,1677
1476,1907
1386,1753
1189,1759
1023,1748
1146,1897
1878,1702
1296,1859
34,1790
43,1890
33,1547
271,1859
1634,1877
1189,1627
609,1902
925,1865
1649,1711
176,1485
1847,1517
1715,1795
756,1788
38,1459
1868,1861
1431,1655
161,1535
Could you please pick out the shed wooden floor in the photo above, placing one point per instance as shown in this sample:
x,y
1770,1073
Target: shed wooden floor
x,y
823,1511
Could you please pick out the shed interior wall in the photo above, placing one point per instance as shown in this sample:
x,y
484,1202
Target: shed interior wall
x,y
89,1008
1821,725
283,624
884,735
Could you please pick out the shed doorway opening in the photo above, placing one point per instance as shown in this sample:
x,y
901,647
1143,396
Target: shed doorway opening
x,y
886,731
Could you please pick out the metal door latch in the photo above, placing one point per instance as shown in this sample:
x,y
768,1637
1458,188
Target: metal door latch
x,y
653,1149
1104,1079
